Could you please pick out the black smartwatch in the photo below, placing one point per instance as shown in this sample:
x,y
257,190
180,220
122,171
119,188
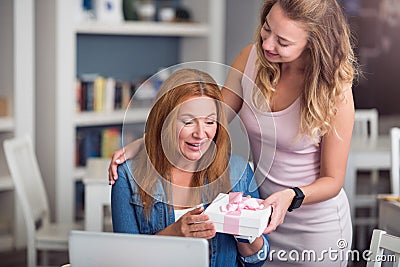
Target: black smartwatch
x,y
297,200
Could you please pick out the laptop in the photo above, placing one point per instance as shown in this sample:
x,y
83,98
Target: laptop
x,y
105,249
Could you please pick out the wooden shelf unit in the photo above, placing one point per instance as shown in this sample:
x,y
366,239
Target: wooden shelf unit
x,y
57,34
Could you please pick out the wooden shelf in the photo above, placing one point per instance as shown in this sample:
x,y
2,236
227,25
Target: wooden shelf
x,y
6,124
145,28
90,118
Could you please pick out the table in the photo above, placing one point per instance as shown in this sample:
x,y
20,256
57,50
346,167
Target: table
x,y
389,215
365,155
97,194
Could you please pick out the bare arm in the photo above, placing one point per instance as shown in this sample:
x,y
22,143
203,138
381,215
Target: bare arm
x,y
246,249
232,90
335,148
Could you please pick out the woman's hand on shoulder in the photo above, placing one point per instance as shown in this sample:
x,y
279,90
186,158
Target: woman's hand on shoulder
x,y
117,158
194,224
280,202
120,156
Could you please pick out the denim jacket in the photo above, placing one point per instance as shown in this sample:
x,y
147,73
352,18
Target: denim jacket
x,y
128,213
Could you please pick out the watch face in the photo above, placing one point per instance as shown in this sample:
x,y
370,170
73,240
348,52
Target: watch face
x,y
297,202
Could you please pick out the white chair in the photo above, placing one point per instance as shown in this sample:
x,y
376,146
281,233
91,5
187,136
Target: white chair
x,y
366,124
366,129
395,160
41,233
95,172
380,242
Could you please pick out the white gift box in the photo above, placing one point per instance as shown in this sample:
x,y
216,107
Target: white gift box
x,y
245,222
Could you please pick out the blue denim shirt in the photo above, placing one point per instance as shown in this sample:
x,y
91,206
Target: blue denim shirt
x,y
128,213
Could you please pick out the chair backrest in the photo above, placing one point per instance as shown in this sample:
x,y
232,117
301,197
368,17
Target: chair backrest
x,y
28,182
366,124
395,160
380,242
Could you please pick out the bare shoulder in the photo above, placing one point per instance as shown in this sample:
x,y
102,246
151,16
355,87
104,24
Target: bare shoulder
x,y
345,106
241,59
347,96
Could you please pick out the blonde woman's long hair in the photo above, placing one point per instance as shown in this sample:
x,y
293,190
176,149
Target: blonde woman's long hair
x,y
332,62
152,164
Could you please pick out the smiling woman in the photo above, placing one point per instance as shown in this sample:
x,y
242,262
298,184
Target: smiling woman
x,y
184,164
197,126
184,122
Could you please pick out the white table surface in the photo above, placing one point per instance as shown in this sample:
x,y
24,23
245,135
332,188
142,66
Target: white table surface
x,y
365,155
389,216
97,194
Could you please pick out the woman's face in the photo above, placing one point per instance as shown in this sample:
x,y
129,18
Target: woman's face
x,y
283,39
196,126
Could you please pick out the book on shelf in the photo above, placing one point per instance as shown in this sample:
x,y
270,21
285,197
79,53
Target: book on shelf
x,y
124,91
88,142
98,141
110,141
118,96
89,87
100,94
3,107
127,93
109,94
85,92
78,95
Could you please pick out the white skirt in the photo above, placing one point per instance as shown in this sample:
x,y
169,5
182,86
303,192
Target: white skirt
x,y
314,235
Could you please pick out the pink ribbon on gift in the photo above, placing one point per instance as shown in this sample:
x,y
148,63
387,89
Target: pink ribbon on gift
x,y
234,208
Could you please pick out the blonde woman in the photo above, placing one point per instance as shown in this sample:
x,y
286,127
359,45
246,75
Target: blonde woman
x,y
182,167
298,74
303,65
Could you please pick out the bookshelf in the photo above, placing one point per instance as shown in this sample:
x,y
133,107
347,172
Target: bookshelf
x,y
60,60
92,118
145,29
17,87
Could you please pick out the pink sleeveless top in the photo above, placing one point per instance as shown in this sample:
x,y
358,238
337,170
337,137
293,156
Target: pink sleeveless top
x,y
283,158
281,155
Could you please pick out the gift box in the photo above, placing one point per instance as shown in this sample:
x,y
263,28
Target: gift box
x,y
234,214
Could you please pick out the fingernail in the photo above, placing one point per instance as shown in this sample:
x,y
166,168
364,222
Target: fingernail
x,y
117,160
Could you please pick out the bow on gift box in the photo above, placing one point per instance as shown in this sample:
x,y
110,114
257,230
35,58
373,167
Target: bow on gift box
x,y
234,208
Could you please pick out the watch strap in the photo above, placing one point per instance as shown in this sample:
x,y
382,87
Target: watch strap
x,y
297,200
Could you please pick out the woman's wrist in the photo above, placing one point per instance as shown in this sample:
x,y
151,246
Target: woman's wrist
x,y
260,249
247,248
290,193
